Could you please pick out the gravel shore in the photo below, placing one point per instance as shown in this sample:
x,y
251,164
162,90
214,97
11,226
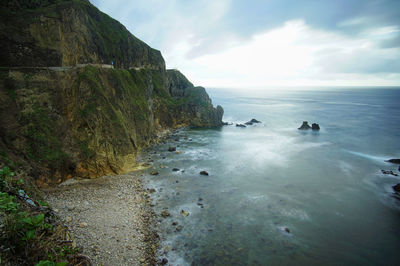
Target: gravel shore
x,y
109,217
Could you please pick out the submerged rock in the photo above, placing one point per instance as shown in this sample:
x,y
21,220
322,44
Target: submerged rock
x,y
154,173
396,161
204,173
226,124
240,125
315,126
175,169
304,126
287,230
179,228
396,188
165,214
184,213
389,172
172,149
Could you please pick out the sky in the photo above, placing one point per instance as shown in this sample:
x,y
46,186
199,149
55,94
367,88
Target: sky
x,y
263,43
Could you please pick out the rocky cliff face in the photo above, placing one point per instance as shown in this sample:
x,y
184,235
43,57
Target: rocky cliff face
x,y
66,33
85,121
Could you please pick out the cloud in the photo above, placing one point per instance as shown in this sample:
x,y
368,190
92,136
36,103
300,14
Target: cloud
x,y
297,54
243,43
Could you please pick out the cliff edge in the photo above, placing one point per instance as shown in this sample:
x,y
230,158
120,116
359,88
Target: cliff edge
x,y
80,95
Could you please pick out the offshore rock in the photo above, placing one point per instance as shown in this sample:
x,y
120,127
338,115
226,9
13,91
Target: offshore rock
x,y
204,173
396,188
304,126
171,149
315,126
396,161
252,121
389,172
240,125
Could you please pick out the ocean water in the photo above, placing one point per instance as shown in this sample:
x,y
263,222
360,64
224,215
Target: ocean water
x,y
279,196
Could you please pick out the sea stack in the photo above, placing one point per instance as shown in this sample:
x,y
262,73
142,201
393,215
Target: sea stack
x,y
315,126
304,126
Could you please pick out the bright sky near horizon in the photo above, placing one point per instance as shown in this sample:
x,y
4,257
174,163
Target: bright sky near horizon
x,y
259,43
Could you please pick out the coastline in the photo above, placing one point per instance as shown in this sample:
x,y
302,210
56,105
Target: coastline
x,y
110,218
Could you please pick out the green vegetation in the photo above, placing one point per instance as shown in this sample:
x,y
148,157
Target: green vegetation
x,y
28,232
43,144
86,152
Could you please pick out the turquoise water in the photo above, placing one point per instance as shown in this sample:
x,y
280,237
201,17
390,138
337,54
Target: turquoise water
x,y
279,196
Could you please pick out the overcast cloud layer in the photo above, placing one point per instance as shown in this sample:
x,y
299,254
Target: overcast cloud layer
x,y
258,43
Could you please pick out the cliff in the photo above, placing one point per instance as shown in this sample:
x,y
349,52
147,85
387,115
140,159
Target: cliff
x,y
62,114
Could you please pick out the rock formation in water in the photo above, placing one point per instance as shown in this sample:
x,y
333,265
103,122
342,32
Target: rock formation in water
x,y
396,161
252,121
315,126
304,126
80,95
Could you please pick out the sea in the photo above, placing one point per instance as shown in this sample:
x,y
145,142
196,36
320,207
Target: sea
x,y
276,195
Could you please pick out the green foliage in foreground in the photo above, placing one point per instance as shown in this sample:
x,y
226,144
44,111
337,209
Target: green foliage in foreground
x,y
26,229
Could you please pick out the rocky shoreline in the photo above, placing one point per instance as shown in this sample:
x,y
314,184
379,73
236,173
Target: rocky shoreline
x,y
110,218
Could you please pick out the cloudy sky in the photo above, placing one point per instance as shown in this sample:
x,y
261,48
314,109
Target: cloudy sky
x,y
260,43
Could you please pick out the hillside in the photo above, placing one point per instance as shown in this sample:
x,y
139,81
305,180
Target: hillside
x,y
62,114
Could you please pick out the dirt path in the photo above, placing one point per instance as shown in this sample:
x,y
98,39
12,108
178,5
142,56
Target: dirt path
x,y
109,218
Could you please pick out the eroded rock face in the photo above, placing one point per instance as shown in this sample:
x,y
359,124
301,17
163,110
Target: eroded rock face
x,y
67,33
85,120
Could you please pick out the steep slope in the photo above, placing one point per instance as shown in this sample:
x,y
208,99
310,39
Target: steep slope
x,y
63,114
67,33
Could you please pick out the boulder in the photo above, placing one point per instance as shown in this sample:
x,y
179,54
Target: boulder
x,y
172,149
165,214
184,213
179,228
204,173
154,173
175,169
249,123
315,126
240,125
396,161
396,188
254,121
304,126
389,172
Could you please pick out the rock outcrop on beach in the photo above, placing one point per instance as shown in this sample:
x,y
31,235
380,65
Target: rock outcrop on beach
x,y
80,95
